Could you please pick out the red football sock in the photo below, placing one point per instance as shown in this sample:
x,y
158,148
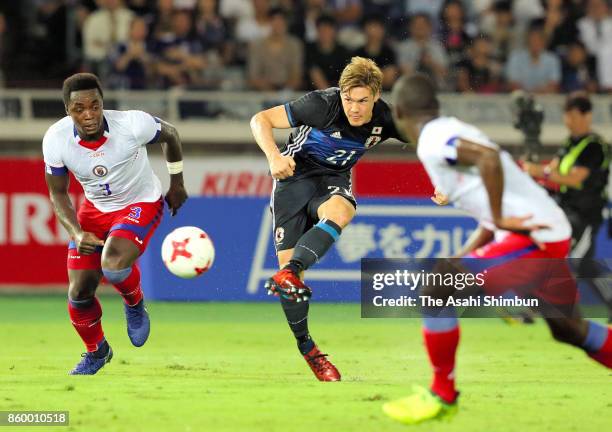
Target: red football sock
x,y
441,347
87,321
604,355
130,288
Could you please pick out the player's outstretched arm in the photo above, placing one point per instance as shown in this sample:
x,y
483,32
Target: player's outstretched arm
x,y
173,151
262,125
58,193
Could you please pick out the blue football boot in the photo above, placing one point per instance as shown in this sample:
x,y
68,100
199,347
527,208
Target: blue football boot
x,y
138,324
90,363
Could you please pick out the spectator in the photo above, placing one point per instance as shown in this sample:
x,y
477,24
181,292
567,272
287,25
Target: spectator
x,y
452,31
596,27
103,29
559,25
314,9
534,69
276,62
499,26
132,60
52,39
596,33
578,70
431,8
422,53
479,73
212,30
162,19
180,55
377,49
348,13
256,26
143,8
325,59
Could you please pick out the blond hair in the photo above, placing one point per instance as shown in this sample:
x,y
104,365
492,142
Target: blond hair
x,y
361,72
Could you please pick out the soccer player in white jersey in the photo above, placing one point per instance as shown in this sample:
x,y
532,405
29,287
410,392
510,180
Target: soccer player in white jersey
x,y
518,222
106,152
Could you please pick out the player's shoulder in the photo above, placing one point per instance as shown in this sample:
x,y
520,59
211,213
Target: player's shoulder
x,y
124,122
122,116
329,96
60,130
442,129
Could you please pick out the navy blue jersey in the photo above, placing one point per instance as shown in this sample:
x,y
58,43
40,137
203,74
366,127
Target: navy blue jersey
x,y
325,137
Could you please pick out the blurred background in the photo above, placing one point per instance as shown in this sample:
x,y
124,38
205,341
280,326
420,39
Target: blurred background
x,y
207,66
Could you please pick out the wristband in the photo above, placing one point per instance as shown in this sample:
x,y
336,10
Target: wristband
x,y
175,167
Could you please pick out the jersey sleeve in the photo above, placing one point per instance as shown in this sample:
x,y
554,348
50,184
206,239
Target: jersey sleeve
x,y
54,164
312,109
592,156
145,127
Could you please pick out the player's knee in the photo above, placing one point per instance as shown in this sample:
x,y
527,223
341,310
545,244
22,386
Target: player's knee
x,y
114,262
342,217
81,290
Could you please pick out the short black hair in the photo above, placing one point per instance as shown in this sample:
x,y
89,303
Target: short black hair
x,y
275,11
325,19
502,6
420,15
415,95
580,101
373,18
80,81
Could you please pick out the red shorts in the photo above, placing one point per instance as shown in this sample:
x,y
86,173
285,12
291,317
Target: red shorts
x,y
136,222
517,264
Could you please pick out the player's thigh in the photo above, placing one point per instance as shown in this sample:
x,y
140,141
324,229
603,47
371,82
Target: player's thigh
x,y
83,283
334,199
119,253
288,205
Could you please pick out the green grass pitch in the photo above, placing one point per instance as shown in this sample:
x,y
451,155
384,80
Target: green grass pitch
x,y
234,367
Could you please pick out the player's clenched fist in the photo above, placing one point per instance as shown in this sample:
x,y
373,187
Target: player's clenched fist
x,y
439,198
282,167
87,243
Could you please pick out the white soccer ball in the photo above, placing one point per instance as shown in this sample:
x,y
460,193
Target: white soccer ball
x,y
188,252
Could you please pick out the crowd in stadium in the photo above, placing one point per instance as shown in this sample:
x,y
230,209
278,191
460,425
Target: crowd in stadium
x,y
482,46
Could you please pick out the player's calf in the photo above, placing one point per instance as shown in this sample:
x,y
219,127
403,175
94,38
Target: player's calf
x,y
127,283
594,338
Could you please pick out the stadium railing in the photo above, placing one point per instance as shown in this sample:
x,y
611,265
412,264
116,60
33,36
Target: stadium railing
x,y
222,117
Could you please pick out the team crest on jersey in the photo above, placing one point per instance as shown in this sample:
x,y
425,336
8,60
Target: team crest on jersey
x,y
279,235
372,141
100,170
376,130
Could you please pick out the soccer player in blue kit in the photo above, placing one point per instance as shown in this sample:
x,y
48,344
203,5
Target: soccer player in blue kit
x,y
312,200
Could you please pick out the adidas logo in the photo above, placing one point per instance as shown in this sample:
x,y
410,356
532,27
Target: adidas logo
x,y
336,134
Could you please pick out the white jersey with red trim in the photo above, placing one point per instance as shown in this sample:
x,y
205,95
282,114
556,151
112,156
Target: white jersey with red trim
x,y
114,170
522,196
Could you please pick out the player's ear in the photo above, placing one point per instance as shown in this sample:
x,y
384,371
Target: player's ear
x,y
376,96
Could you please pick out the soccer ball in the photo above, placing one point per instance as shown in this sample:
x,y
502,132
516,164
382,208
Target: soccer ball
x,y
188,252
